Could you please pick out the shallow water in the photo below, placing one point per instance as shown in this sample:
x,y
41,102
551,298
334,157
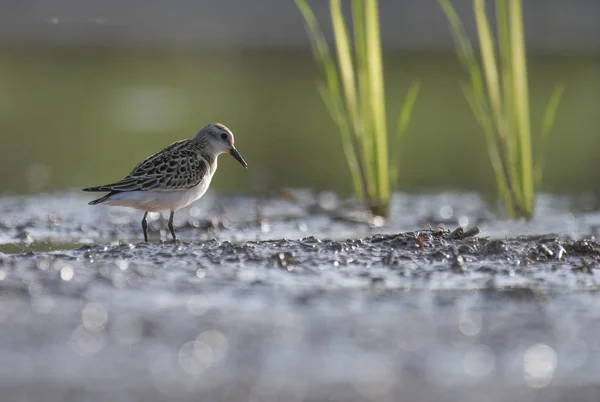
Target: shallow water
x,y
299,299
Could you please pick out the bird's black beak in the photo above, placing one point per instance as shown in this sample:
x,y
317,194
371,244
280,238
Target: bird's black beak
x,y
236,154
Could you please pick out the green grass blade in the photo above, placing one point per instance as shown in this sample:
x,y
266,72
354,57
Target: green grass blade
x,y
318,43
464,49
358,19
377,98
404,118
511,135
360,46
407,108
319,46
488,58
547,125
466,55
358,180
346,67
551,108
521,104
475,94
504,46
331,94
486,124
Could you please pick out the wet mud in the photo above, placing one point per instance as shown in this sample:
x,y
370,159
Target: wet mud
x,y
299,298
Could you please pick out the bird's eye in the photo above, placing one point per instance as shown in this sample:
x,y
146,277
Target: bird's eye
x,y
224,136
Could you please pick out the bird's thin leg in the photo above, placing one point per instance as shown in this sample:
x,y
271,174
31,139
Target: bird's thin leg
x,y
145,227
171,228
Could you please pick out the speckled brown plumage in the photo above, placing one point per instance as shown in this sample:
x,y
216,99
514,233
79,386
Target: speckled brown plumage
x,y
179,166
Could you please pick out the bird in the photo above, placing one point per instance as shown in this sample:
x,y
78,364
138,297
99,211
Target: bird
x,y
172,178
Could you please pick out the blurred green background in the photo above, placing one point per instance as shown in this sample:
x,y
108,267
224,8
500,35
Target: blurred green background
x,y
83,115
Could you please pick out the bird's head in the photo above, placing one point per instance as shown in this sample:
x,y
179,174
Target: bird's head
x,y
218,140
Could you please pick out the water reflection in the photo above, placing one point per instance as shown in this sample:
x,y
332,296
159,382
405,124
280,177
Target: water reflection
x,y
539,363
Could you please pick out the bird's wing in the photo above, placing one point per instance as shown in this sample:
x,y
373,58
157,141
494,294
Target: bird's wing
x,y
177,167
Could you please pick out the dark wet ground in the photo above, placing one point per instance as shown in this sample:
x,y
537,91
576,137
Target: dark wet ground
x,y
268,300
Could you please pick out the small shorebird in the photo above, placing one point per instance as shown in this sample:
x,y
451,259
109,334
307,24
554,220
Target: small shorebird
x,y
173,178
